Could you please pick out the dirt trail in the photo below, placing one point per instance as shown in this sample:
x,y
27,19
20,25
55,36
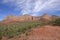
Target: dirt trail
x,y
43,33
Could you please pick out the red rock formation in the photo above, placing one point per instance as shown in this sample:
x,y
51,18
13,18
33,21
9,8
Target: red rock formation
x,y
46,18
12,19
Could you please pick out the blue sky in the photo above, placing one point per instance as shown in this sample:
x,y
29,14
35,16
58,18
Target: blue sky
x,y
31,7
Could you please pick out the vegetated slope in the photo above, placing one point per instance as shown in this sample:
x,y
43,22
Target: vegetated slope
x,y
43,33
13,28
16,29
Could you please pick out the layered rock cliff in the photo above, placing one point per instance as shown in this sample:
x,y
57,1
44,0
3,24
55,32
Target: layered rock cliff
x,y
44,18
23,18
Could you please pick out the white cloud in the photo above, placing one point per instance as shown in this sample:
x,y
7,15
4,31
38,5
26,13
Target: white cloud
x,y
34,6
51,4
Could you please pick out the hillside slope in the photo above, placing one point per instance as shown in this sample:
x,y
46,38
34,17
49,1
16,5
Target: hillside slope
x,y
43,33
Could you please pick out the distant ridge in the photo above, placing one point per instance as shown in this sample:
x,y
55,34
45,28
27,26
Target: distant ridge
x,y
26,17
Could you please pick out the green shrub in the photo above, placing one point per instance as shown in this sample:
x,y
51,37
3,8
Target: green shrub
x,y
16,29
55,22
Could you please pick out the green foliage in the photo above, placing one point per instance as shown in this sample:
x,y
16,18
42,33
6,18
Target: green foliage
x,y
55,22
16,29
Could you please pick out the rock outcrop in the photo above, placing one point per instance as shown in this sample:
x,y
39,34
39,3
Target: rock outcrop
x,y
11,19
46,18
26,17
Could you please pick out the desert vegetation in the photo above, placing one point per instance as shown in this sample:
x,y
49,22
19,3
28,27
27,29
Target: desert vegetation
x,y
55,22
16,29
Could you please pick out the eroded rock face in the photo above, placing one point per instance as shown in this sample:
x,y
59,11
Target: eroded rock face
x,y
20,18
44,18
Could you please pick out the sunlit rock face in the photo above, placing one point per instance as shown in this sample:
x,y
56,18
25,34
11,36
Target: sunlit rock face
x,y
26,17
22,18
46,18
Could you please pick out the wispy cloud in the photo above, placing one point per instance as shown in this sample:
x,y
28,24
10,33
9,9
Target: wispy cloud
x,y
34,6
50,4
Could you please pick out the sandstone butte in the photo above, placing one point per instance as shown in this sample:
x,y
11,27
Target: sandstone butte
x,y
43,33
27,17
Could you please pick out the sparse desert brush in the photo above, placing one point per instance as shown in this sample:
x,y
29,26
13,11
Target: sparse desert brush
x,y
55,22
16,29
